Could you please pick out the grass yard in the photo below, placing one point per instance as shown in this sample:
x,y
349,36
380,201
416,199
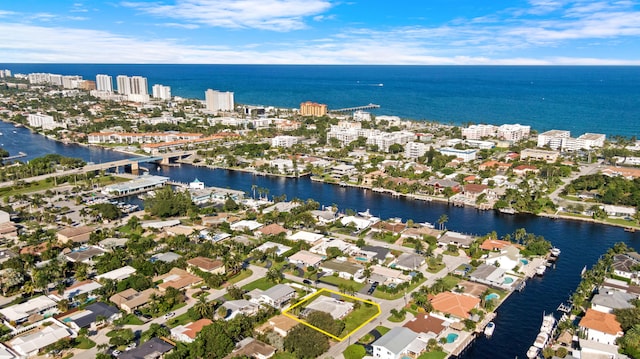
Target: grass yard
x,y
359,316
354,351
337,281
391,296
393,319
244,274
382,329
181,319
85,343
132,320
261,283
433,355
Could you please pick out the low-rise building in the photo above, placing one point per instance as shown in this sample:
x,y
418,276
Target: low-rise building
x,y
79,234
32,341
305,259
177,278
466,155
344,269
252,348
187,333
89,317
338,309
458,305
207,265
539,155
71,293
151,349
276,296
117,274
130,299
408,261
35,308
600,327
397,343
284,141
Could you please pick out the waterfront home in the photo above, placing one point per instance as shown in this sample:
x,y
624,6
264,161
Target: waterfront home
x,y
440,184
117,274
619,211
239,307
88,317
152,348
458,305
488,274
252,348
32,310
418,233
626,266
177,278
49,331
399,342
387,226
305,259
494,245
338,309
130,299
456,239
426,323
280,324
473,191
623,286
187,333
358,222
408,261
79,234
281,207
508,258
276,296
341,170
206,265
343,269
325,216
594,349
78,288
600,327
609,299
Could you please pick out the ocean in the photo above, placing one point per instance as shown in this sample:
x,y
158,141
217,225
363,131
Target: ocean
x,y
581,99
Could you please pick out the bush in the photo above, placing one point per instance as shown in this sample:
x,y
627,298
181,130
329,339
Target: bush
x,y
354,351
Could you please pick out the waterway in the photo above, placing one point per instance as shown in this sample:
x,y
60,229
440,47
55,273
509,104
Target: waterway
x,y
518,319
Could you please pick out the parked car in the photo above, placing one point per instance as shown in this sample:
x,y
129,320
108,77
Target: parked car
x,y
372,288
169,315
115,353
130,346
306,281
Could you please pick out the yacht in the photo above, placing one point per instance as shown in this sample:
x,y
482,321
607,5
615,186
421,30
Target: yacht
x,y
555,251
548,323
488,330
540,270
533,351
541,340
365,214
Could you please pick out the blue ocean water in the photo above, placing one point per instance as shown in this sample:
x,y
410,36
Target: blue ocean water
x,y
576,98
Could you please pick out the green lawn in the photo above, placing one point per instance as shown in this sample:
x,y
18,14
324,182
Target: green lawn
x,y
244,274
393,319
436,269
366,339
382,329
359,316
85,343
337,281
132,320
181,319
354,351
392,296
261,283
450,281
433,355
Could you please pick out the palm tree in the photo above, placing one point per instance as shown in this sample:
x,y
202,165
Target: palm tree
x,y
274,275
203,308
442,220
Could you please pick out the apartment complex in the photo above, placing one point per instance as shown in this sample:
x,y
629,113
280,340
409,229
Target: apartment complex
x,y
515,132
149,137
219,101
313,109
161,92
45,121
345,133
562,140
104,83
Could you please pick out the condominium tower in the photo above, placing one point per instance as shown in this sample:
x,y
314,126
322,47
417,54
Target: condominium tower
x,y
219,101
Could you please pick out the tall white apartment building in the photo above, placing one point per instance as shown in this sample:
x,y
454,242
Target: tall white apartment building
x,y
39,78
384,140
284,141
71,82
139,85
466,155
161,92
5,73
55,79
415,149
219,101
514,133
124,85
45,121
476,132
586,141
553,138
104,83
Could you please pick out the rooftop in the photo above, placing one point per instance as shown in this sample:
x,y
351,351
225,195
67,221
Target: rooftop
x,y
601,322
396,339
454,304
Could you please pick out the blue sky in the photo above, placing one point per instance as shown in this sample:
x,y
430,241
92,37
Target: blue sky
x,y
429,32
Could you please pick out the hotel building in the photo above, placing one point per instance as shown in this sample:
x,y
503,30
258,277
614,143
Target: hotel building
x,y
313,109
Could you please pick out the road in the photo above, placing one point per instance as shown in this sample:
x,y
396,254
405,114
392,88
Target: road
x,y
585,170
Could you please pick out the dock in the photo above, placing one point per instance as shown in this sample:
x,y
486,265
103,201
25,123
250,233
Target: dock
x,y
14,157
370,106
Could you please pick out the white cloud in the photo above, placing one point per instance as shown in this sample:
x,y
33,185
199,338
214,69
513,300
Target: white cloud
x,y
274,15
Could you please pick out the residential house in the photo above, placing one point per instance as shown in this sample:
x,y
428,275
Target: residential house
x,y
305,259
397,343
308,237
458,305
29,343
341,170
387,276
523,170
488,274
252,348
280,324
408,261
246,225
508,257
32,310
279,250
426,323
626,266
78,288
456,239
83,254
88,317
344,269
473,191
439,185
117,274
494,245
240,307
79,234
324,216
609,299
177,278
370,253
206,265
600,327
187,333
151,349
358,222
166,257
386,226
501,167
321,248
130,299
338,309
276,296
420,232
272,229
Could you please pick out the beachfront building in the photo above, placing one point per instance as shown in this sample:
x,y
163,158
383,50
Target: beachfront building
x,y
513,133
219,101
466,155
553,138
585,141
477,132
104,83
140,137
313,109
161,92
415,149
47,122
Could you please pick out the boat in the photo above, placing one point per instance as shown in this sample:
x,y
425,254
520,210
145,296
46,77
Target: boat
x,y
629,229
540,270
533,351
555,251
488,330
541,340
548,323
507,210
365,214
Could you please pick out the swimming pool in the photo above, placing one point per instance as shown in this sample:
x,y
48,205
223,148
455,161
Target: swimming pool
x,y
451,337
362,259
524,261
508,280
491,296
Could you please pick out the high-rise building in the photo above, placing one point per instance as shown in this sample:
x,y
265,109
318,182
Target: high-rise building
x,y
219,101
139,85
124,85
161,92
313,109
71,81
104,83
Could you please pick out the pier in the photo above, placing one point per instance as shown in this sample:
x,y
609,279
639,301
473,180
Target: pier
x,y
370,106
19,155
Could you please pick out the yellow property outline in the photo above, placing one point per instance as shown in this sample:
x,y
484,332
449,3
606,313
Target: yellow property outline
x,y
315,294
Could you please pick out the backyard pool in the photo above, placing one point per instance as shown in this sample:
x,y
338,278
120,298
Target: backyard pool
x,y
451,337
524,261
491,296
508,280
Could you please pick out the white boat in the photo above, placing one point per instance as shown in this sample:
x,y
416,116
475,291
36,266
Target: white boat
x,y
507,210
541,340
365,214
548,323
428,225
488,330
532,353
540,270
555,251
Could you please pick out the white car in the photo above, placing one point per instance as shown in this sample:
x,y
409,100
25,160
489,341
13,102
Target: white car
x,y
115,353
130,346
169,315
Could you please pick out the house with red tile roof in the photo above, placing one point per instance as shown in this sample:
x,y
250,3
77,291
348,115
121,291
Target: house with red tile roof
x,y
601,327
458,305
187,333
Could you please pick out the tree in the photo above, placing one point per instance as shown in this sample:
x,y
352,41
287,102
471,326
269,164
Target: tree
x,y
273,275
325,322
442,220
169,203
212,342
203,307
306,342
234,292
122,337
